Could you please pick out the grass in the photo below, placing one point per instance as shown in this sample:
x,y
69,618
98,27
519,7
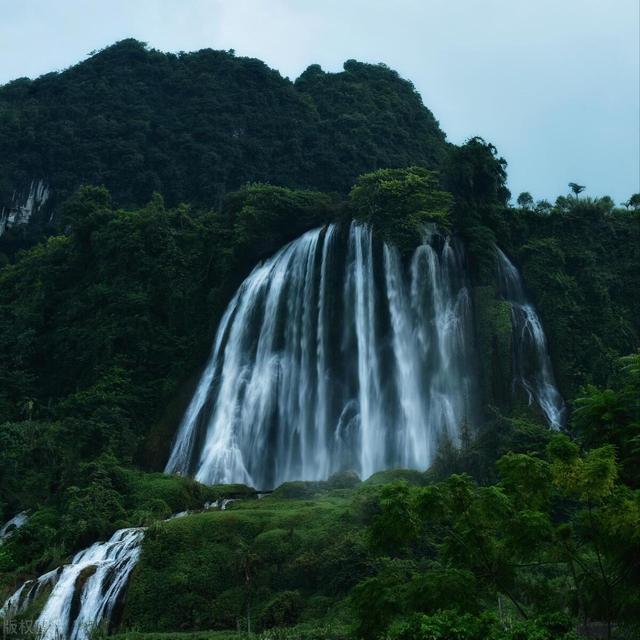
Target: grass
x,y
278,559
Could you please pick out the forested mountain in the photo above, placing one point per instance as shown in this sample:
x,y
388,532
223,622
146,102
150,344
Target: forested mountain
x,y
194,126
235,277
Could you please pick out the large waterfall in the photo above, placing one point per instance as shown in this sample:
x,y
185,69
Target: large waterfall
x,y
532,364
338,353
334,354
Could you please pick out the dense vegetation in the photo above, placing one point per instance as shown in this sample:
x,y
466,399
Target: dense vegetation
x,y
102,327
581,260
518,533
410,555
195,126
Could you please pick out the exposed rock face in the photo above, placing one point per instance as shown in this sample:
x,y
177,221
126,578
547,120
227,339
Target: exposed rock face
x,y
25,205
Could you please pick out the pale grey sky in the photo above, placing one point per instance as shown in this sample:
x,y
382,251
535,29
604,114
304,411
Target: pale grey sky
x,y
554,84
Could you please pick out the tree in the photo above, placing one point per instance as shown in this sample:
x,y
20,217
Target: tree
x,y
525,200
606,203
576,188
612,416
544,206
633,202
562,522
476,176
600,542
397,203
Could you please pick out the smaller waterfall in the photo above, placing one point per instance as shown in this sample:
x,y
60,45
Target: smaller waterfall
x,y
28,592
85,592
532,364
9,527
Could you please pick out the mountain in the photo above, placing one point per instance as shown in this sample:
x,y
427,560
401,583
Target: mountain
x,y
194,126
227,277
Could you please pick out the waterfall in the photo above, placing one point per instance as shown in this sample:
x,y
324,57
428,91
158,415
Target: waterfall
x,y
532,364
27,593
85,592
8,529
337,353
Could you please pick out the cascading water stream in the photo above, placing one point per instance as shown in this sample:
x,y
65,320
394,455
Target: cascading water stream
x,y
9,528
334,354
532,364
84,592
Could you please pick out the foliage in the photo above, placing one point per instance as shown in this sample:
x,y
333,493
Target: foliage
x,y
450,625
613,416
399,203
514,532
576,188
369,118
196,126
102,497
267,560
304,631
525,200
116,311
476,176
282,610
508,544
263,217
581,263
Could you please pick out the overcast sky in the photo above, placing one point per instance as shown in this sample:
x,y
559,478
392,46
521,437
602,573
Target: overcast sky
x,y
554,84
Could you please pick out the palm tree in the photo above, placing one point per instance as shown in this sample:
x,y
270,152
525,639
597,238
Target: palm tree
x,y
576,188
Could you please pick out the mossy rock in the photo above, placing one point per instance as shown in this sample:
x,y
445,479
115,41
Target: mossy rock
x,y
299,489
81,581
413,477
234,491
494,338
343,480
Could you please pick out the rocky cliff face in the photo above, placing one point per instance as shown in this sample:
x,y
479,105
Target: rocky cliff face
x,y
26,205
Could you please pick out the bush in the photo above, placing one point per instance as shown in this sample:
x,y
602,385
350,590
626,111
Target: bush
x,y
282,610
